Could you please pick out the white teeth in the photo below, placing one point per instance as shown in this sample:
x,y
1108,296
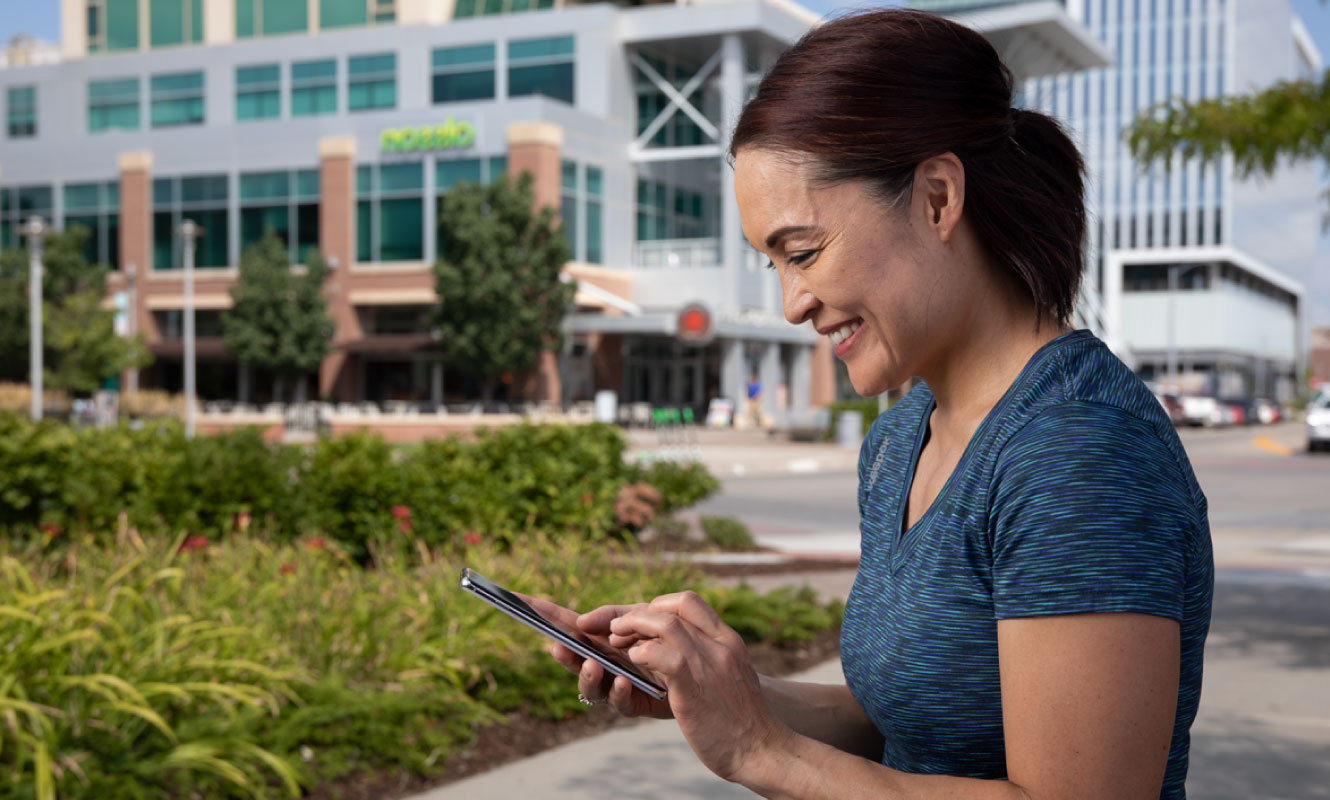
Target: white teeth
x,y
843,332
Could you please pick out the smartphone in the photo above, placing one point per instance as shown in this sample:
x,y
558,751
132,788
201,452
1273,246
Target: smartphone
x,y
613,661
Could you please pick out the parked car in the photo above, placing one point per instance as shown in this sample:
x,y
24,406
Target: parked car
x,y
1202,410
1172,406
1318,422
1244,409
1268,411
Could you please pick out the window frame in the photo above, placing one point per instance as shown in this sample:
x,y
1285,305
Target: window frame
x,y
466,67
370,196
161,97
299,193
518,63
120,101
371,79
27,109
106,208
305,84
249,87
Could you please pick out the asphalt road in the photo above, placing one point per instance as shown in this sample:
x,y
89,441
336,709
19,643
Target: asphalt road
x,y
1263,730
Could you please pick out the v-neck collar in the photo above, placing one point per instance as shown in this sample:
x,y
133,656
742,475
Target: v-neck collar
x,y
903,537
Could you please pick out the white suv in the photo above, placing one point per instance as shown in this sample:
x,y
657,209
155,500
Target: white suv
x,y
1318,422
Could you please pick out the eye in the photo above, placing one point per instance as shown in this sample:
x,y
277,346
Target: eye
x,y
770,264
798,259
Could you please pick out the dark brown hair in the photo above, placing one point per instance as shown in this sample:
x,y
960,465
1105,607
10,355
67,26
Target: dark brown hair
x,y
871,95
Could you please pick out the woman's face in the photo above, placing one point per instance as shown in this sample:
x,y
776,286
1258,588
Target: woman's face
x,y
874,281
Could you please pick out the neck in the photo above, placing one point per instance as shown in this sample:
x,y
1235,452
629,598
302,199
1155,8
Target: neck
x,y
981,362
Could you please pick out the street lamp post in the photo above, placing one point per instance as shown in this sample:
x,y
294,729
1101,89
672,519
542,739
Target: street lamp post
x,y
189,231
35,229
1174,275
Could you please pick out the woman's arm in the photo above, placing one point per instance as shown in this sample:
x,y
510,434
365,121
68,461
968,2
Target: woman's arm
x,y
1089,702
827,713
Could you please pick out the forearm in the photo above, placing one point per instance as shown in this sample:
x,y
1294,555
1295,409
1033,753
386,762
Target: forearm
x,y
800,768
827,713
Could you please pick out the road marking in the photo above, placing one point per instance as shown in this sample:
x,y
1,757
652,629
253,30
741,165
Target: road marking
x,y
803,465
1271,446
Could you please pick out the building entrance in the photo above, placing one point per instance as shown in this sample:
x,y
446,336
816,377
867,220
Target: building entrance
x,y
665,373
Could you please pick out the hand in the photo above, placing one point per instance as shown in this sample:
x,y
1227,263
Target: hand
x,y
593,682
711,685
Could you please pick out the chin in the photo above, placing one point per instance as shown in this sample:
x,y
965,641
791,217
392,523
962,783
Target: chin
x,y
874,383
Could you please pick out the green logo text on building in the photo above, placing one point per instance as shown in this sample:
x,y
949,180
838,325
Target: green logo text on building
x,y
450,135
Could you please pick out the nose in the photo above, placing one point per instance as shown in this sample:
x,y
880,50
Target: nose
x,y
797,301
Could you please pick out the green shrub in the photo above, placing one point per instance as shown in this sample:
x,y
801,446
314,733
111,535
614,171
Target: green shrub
x,y
866,406
681,484
728,533
779,617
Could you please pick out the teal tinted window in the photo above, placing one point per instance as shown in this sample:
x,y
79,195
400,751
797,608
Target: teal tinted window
x,y
113,105
82,196
245,20
463,73
498,166
313,88
201,198
471,8
371,82
95,207
569,179
258,92
265,186
121,24
364,180
175,22
543,67
284,202
401,234
464,9
405,177
177,99
364,231
447,174
307,183
21,109
594,182
270,17
343,13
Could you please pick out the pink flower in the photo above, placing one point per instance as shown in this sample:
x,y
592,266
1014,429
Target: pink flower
x,y
401,512
317,543
194,543
286,569
472,537
587,498
51,529
243,520
404,525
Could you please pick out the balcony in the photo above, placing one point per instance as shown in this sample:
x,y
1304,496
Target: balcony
x,y
678,253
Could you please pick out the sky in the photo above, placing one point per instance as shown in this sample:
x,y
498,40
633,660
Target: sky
x,y
41,18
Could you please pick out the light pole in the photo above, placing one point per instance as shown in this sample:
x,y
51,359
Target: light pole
x,y
35,229
189,231
132,323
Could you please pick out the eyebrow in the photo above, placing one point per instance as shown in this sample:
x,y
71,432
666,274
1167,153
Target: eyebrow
x,y
781,233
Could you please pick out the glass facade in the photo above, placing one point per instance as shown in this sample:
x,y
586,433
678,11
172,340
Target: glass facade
x,y
17,203
270,17
390,212
477,8
371,82
463,73
582,192
543,67
175,22
258,92
450,174
313,87
96,207
21,111
349,13
177,99
285,202
202,198
674,212
113,25
113,105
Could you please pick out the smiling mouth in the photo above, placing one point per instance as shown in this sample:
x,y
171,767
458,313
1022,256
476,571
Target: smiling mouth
x,y
844,332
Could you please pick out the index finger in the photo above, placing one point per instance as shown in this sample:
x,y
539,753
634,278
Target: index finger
x,y
551,611
598,621
691,607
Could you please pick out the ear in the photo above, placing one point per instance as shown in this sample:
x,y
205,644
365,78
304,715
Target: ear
x,y
942,181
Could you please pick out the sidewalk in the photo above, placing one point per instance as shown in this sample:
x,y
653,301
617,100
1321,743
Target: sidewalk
x,y
730,453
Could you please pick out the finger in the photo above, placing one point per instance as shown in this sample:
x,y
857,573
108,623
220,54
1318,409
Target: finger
x,y
550,611
598,621
566,658
591,681
691,607
621,696
658,657
624,642
670,628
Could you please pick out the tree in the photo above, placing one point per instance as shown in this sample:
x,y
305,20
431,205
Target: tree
x,y
79,345
500,298
279,320
1290,119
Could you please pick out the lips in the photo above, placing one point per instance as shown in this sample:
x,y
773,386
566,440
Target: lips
x,y
844,332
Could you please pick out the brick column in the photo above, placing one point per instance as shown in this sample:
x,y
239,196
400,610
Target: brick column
x,y
822,383
337,241
535,147
136,236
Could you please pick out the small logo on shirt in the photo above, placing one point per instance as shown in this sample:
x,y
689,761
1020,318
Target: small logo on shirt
x,y
877,463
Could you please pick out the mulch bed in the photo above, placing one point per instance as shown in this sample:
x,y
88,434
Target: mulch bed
x,y
525,735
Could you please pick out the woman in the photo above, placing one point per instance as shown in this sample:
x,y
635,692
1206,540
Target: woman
x,y
1034,588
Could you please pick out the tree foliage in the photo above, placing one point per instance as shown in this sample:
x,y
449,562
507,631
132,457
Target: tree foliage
x,y
1291,119
80,348
500,298
278,320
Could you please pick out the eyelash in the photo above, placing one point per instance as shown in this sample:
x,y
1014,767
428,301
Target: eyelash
x,y
795,260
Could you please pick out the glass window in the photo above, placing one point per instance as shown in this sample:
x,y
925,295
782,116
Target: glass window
x,y
16,205
472,8
258,92
113,25
113,105
285,202
166,22
463,73
343,13
371,82
95,206
542,66
447,174
202,198
390,212
595,233
21,107
260,18
177,99
313,88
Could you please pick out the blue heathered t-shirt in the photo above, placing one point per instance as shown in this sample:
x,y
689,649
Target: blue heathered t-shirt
x,y
1073,496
